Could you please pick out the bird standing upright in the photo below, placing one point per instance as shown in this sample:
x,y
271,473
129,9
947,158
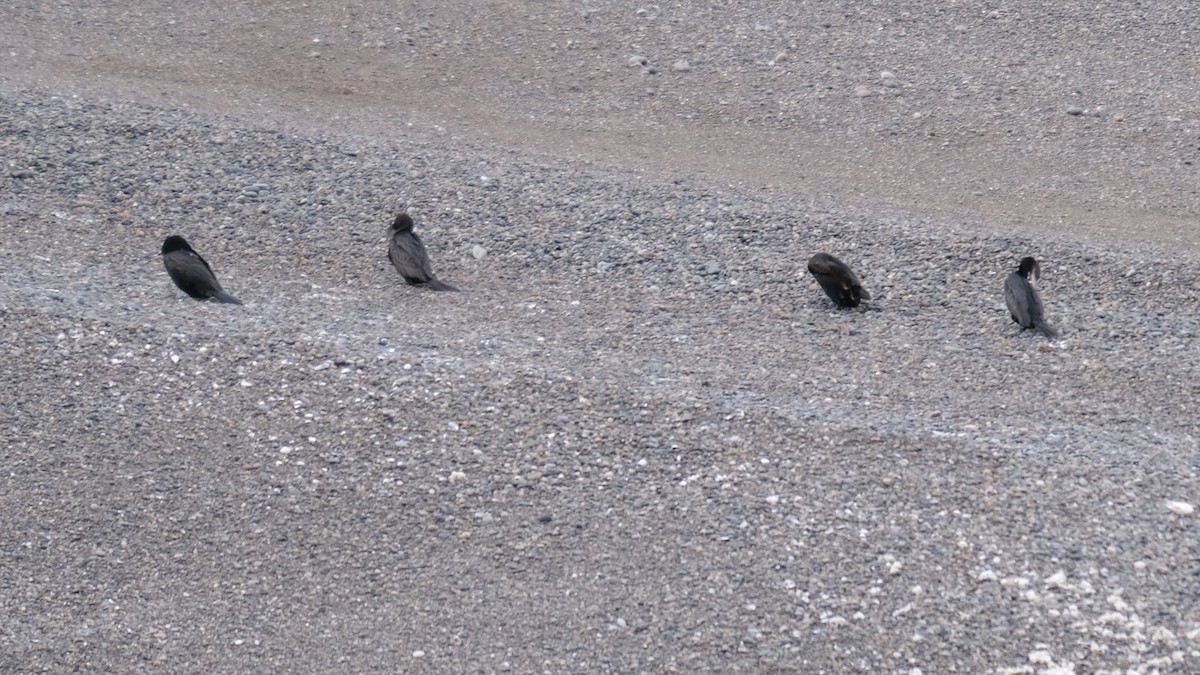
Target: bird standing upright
x,y
408,255
837,280
191,273
1024,303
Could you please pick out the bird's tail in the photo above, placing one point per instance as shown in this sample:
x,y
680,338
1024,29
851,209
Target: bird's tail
x,y
222,296
440,285
1046,329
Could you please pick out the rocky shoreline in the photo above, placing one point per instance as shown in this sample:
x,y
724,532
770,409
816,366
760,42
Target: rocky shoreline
x,y
641,440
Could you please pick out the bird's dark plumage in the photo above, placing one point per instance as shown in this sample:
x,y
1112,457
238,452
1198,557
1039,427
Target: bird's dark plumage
x,y
1024,303
191,273
408,255
837,280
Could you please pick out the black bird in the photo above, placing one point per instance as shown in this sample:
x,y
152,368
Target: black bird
x,y
408,256
836,279
190,273
1022,298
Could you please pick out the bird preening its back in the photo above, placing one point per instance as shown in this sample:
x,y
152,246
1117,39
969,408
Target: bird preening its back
x,y
837,280
408,255
191,273
1024,303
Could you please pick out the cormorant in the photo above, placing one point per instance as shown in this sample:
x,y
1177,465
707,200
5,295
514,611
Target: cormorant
x,y
408,255
1024,303
836,279
191,273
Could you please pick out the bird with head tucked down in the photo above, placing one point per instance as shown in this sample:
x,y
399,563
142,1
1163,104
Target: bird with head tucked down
x,y
837,280
191,273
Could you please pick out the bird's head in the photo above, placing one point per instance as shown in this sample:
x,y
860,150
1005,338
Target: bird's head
x,y
1030,269
175,243
402,223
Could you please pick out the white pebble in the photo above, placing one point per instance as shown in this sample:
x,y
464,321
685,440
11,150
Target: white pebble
x,y
478,251
1181,508
1118,603
1041,657
1056,580
457,476
681,66
1161,634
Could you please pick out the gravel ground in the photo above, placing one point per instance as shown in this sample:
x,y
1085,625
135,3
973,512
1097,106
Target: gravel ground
x,y
641,440
1076,115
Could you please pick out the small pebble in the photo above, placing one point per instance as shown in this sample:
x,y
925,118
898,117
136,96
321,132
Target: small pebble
x,y
1056,580
1180,508
1041,657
